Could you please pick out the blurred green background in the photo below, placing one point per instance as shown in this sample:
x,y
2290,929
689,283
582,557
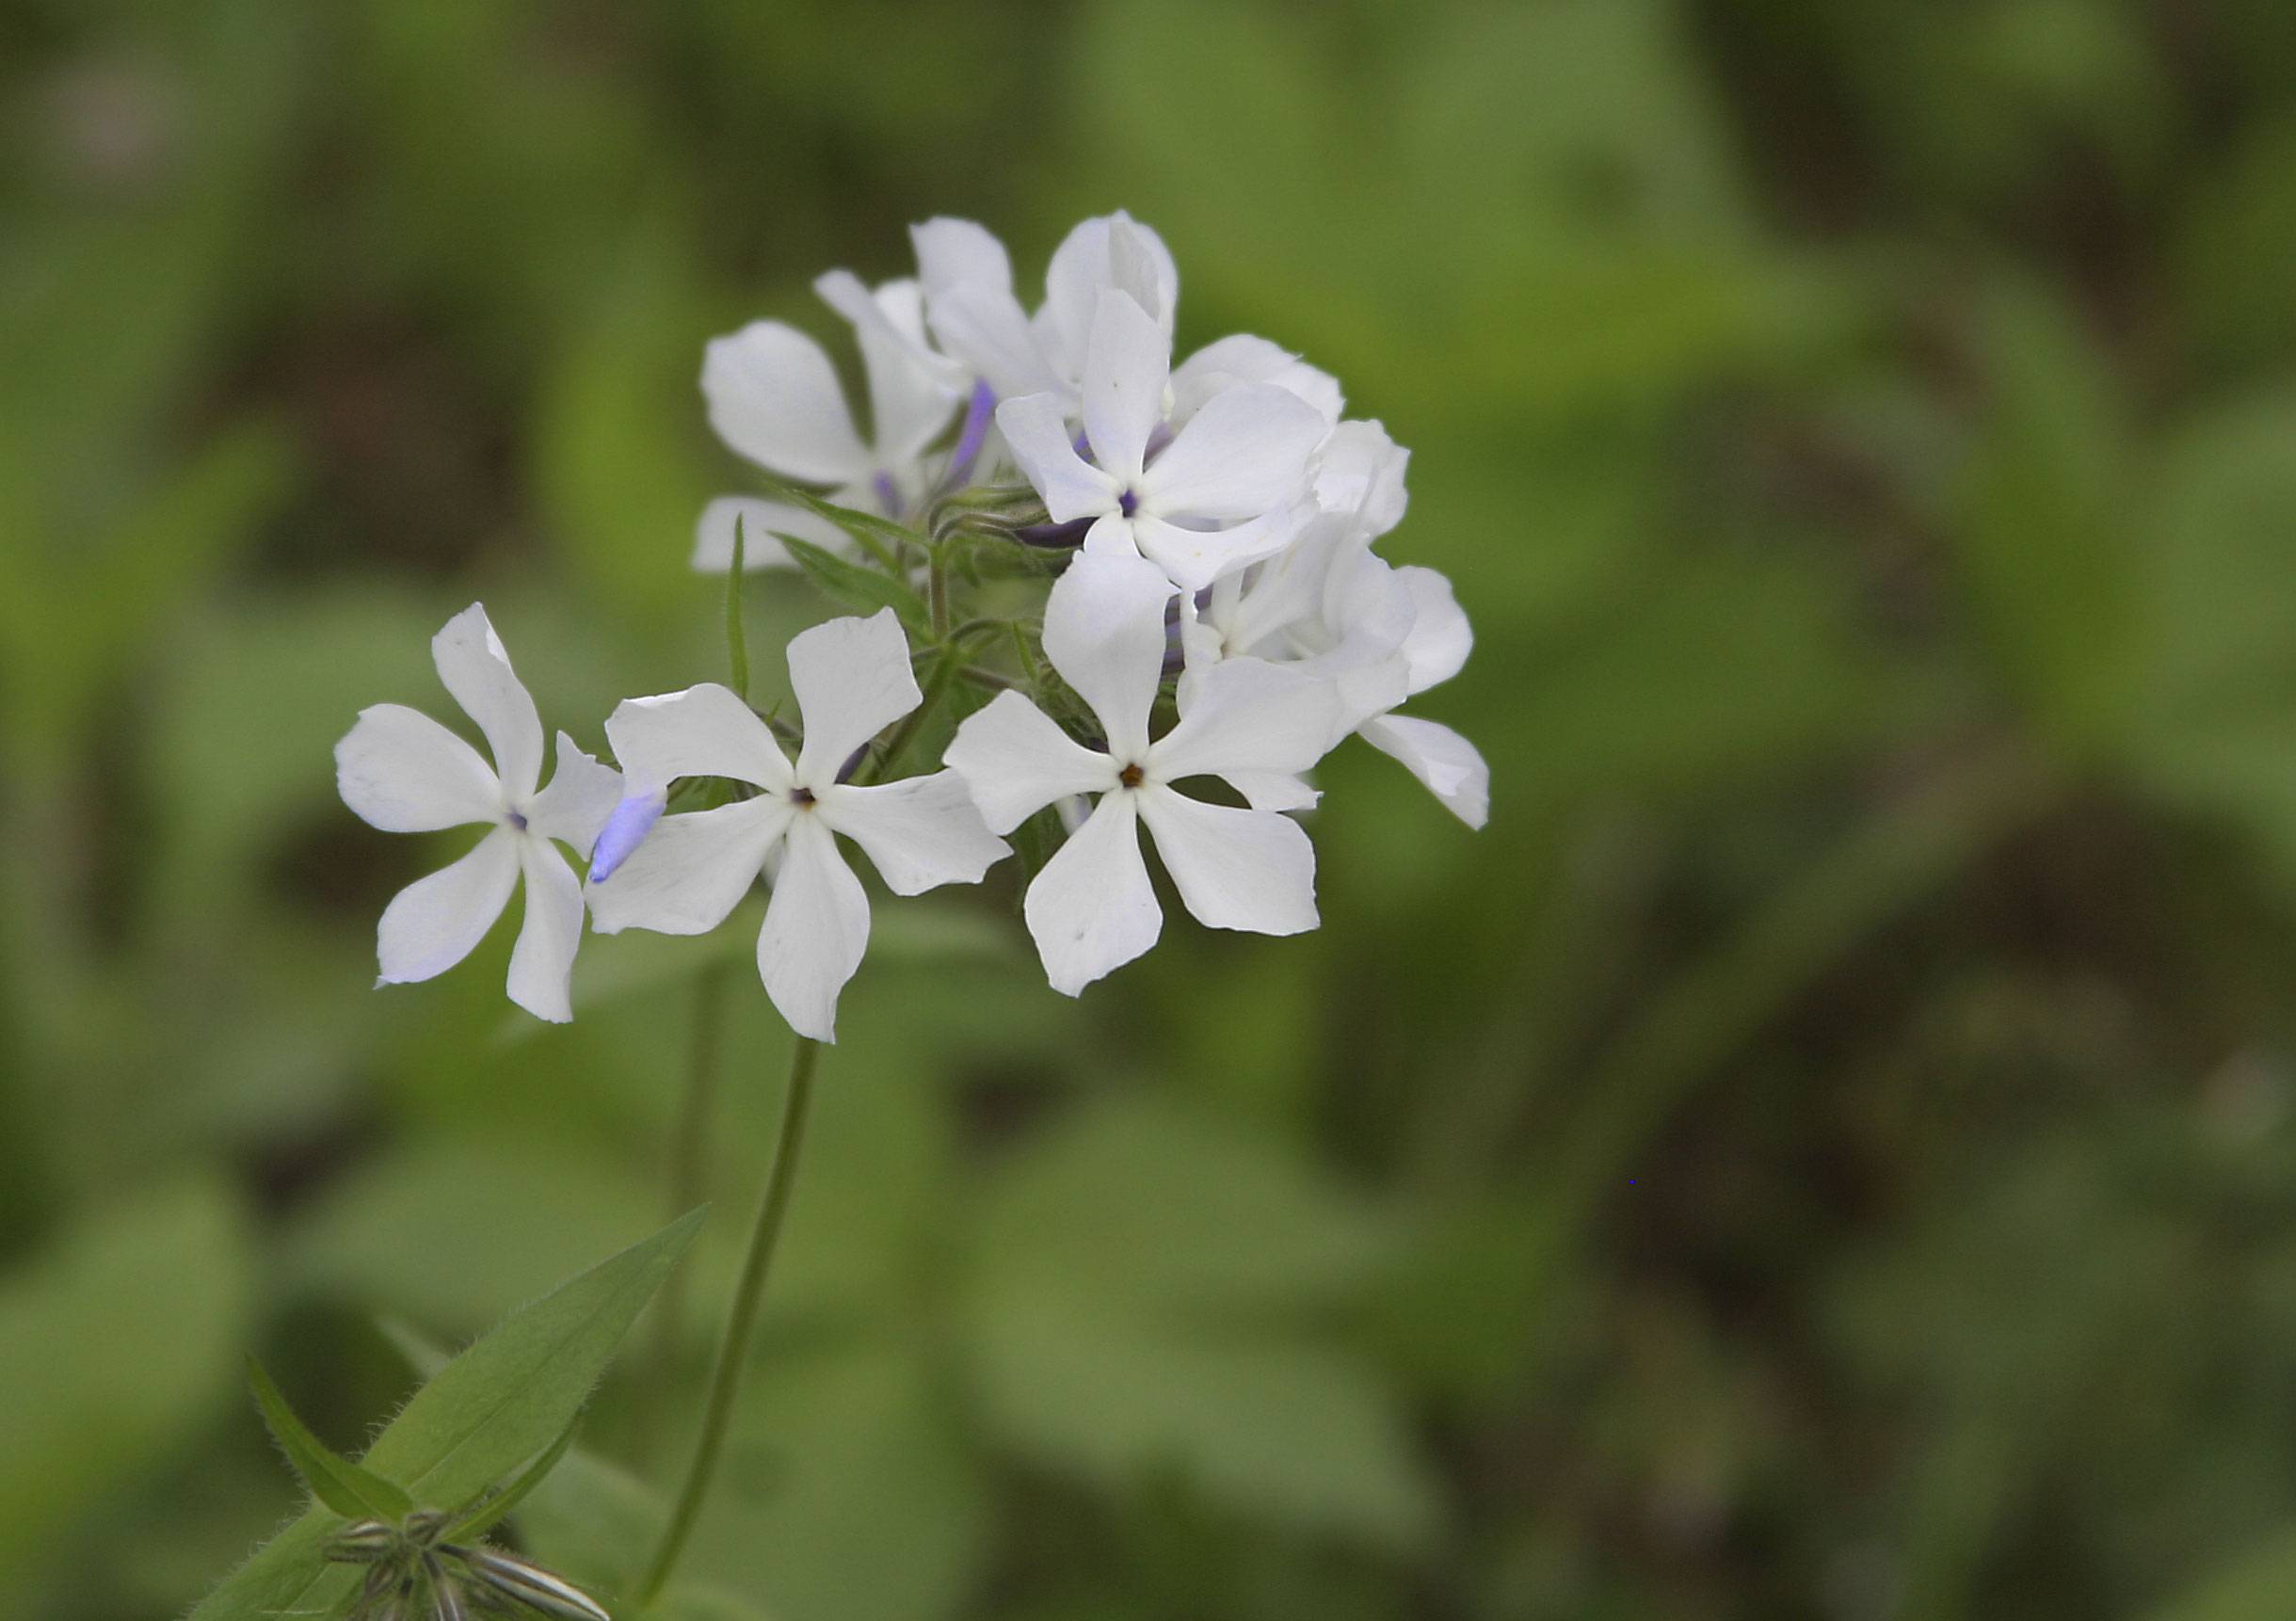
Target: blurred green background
x,y
1824,1151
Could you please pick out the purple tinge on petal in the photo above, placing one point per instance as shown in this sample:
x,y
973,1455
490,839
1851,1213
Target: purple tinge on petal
x,y
979,412
624,831
888,494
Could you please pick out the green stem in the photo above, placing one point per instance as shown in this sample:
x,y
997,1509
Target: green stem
x,y
741,1321
938,584
688,1148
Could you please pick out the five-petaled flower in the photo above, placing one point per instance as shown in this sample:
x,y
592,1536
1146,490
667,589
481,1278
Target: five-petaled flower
x,y
1227,489
775,398
852,680
403,772
1092,909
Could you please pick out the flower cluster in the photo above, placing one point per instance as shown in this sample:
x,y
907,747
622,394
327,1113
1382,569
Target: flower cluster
x,y
1217,620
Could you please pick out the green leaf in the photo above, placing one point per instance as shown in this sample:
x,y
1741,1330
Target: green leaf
x,y
881,538
497,1405
2044,551
352,1491
856,587
496,1509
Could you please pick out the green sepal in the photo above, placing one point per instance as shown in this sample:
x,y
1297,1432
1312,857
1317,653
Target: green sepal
x,y
737,641
880,537
859,587
353,1492
490,1512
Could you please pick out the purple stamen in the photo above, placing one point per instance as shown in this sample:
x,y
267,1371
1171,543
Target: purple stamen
x,y
979,412
1128,503
624,831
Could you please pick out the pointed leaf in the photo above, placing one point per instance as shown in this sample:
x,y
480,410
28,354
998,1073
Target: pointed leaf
x,y
858,587
353,1492
880,537
494,1406
494,1510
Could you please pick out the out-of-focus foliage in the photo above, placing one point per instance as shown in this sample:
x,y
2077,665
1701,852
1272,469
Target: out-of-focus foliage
x,y
1824,1150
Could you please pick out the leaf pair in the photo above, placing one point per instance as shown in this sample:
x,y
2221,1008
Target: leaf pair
x,y
512,1396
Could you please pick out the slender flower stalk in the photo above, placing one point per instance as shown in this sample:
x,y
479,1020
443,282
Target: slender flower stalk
x,y
741,1320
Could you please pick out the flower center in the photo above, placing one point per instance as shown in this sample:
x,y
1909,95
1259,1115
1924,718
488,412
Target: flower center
x,y
516,818
1129,503
801,797
1132,775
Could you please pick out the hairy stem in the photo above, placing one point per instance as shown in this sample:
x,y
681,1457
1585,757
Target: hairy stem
x,y
741,1320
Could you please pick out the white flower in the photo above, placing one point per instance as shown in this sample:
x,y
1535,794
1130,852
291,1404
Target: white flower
x,y
1091,909
403,772
852,680
1332,608
1223,493
774,397
968,282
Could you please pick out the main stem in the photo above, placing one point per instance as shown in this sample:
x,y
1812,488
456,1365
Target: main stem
x,y
741,1321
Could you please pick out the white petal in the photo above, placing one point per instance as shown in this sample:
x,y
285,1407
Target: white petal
x,y
1193,558
1274,790
959,254
1122,398
1082,267
581,795
988,332
852,680
774,397
920,833
1243,454
1038,435
816,929
1451,767
1246,714
703,732
761,522
1092,909
1140,267
542,962
1235,869
1244,359
1440,638
912,390
1104,631
1360,471
1111,536
477,671
1015,761
403,772
692,870
434,923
